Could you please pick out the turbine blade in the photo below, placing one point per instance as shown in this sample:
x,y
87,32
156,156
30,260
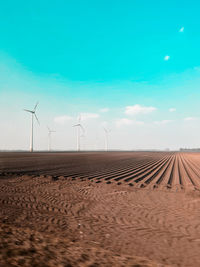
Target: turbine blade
x,y
79,118
28,110
37,119
82,128
36,106
106,130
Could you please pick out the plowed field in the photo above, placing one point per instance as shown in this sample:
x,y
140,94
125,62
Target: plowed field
x,y
100,209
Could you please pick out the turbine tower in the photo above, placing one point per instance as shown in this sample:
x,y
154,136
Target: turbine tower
x,y
32,117
106,138
49,138
79,128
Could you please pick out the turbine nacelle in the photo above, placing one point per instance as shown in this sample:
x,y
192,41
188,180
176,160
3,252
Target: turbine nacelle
x,y
79,126
106,130
106,138
33,114
49,135
50,131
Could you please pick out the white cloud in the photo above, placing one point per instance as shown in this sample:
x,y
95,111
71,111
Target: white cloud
x,y
103,110
137,109
87,116
62,119
172,109
166,58
163,122
125,121
138,122
190,119
181,29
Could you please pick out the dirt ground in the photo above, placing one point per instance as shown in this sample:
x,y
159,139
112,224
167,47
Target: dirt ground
x,y
100,209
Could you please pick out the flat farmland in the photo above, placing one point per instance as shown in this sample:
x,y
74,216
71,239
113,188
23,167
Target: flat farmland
x,y
100,209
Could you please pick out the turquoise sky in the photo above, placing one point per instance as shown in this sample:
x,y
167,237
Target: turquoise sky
x,y
85,56
101,40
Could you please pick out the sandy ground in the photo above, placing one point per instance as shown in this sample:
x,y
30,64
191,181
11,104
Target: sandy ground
x,y
100,209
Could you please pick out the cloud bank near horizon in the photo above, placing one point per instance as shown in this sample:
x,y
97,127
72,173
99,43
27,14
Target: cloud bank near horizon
x,y
62,101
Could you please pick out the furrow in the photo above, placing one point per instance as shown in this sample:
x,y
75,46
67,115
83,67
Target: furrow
x,y
141,174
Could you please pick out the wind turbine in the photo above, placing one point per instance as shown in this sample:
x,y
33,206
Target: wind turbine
x,y
32,116
106,138
49,138
79,128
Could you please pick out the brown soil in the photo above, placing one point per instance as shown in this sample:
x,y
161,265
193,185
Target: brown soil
x,y
100,209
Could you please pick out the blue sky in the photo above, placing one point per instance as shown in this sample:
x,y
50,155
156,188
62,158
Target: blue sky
x,y
101,57
101,40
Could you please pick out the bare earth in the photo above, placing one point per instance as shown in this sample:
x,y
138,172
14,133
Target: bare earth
x,y
100,209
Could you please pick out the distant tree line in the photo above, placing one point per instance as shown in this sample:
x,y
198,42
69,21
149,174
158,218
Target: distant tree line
x,y
190,149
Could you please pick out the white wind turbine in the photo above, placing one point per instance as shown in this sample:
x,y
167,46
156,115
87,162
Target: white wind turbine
x,y
32,116
49,137
79,128
106,138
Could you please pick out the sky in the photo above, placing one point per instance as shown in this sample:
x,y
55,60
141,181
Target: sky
x,y
131,66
